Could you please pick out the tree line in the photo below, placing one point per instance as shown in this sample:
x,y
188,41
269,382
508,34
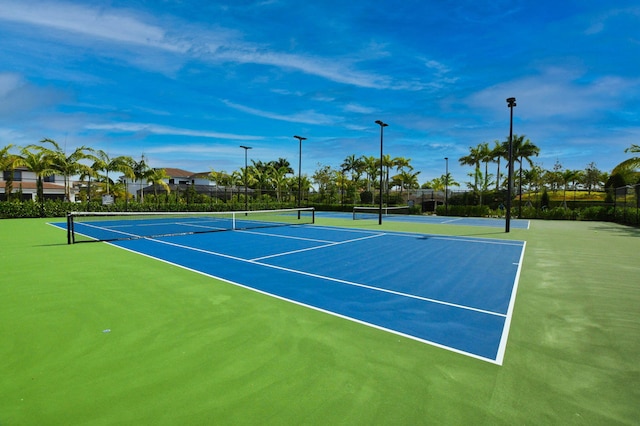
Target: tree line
x,y
355,180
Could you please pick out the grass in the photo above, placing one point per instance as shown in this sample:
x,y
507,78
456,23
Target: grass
x,y
187,349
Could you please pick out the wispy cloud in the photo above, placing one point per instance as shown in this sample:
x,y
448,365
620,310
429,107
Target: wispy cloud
x,y
360,109
221,45
330,69
166,130
308,117
18,95
89,21
555,92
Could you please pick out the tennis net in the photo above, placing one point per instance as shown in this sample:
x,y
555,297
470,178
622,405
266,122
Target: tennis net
x,y
113,226
365,212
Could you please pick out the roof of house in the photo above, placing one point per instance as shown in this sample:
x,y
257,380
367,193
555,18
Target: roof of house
x,y
174,173
203,175
29,185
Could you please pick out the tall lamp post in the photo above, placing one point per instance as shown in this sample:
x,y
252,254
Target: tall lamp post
x,y
300,139
246,198
382,126
511,102
446,185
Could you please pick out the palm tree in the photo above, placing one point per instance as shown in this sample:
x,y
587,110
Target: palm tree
x,y
568,176
486,155
282,162
141,172
408,179
123,164
278,177
8,162
534,178
371,168
66,165
88,174
500,150
523,150
35,160
629,164
400,163
157,178
473,159
258,175
387,163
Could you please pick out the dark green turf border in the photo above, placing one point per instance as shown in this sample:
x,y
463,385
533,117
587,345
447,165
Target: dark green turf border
x,y
186,349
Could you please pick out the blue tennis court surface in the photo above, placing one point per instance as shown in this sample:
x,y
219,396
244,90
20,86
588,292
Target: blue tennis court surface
x,y
456,293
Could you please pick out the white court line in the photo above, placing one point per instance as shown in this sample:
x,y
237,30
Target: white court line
x,y
291,237
295,271
452,220
512,302
330,244
316,308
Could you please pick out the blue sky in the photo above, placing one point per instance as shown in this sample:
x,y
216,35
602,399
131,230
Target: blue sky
x,y
186,83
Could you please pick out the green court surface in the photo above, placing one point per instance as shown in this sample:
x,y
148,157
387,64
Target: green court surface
x,y
95,335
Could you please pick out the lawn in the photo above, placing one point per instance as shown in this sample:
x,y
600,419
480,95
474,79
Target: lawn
x,y
95,335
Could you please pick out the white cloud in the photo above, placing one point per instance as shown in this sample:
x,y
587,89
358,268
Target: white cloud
x,y
8,83
122,27
17,96
555,93
360,109
330,69
308,117
166,130
93,22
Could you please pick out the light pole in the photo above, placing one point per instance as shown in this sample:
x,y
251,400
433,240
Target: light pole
x,y
446,185
246,198
382,126
300,139
511,102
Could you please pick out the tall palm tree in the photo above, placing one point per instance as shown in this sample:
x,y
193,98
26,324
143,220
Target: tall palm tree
x,y
473,159
408,179
534,178
8,162
486,155
282,162
371,168
157,178
258,175
500,150
141,172
66,165
387,163
400,163
36,161
523,150
122,163
278,177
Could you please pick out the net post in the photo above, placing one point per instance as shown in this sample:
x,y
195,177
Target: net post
x,y
69,228
233,220
313,216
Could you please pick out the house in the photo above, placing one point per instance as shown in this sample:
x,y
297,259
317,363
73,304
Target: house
x,y
180,181
24,183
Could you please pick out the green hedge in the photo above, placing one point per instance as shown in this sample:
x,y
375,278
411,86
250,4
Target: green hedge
x,y
54,208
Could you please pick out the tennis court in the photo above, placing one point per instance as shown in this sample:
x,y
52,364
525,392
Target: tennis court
x,y
457,293
94,334
372,214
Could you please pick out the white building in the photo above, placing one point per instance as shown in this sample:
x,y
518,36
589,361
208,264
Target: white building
x,y
24,183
